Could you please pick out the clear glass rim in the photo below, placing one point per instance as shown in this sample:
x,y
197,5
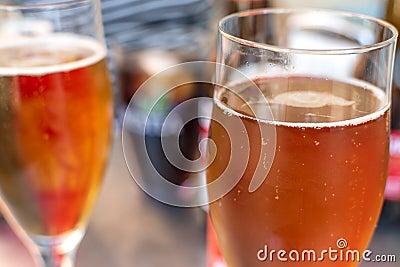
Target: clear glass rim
x,y
356,50
62,4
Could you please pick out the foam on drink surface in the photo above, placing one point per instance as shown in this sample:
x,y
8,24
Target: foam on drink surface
x,y
310,99
303,101
58,52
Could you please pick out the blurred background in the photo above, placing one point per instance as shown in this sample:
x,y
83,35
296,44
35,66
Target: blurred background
x,y
128,228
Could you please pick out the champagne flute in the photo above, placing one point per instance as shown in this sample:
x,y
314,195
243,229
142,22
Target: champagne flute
x,y
314,117
56,121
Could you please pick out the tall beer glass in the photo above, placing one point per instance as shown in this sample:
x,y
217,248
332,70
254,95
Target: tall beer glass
x,y
55,121
311,123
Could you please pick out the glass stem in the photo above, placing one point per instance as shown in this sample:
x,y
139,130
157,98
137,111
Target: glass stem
x,y
51,257
58,251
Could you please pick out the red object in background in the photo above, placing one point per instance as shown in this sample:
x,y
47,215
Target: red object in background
x,y
214,255
390,216
392,190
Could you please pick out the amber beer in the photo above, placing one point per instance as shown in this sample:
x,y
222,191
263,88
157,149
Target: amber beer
x,y
327,177
55,120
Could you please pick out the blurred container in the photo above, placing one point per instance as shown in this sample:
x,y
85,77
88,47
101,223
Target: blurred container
x,y
146,37
232,6
137,68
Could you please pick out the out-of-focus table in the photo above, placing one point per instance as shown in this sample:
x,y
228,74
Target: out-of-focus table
x,y
386,241
129,229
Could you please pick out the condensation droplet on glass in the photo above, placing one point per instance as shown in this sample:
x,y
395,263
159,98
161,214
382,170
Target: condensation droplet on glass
x,y
276,192
264,142
265,165
316,143
226,112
